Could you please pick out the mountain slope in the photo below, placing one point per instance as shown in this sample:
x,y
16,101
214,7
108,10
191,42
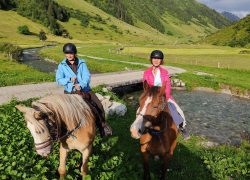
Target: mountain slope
x,y
111,28
230,16
237,34
127,21
170,17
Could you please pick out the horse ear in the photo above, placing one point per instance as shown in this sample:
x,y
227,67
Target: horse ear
x,y
38,115
145,86
22,108
41,110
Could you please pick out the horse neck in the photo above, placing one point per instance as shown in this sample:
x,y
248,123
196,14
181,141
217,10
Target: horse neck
x,y
161,122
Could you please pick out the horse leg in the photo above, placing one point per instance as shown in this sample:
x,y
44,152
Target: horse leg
x,y
146,174
165,165
62,165
85,156
166,159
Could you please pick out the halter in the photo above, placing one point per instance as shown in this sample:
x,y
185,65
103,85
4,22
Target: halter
x,y
56,138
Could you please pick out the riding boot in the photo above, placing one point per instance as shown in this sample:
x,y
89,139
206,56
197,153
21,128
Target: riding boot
x,y
184,132
104,128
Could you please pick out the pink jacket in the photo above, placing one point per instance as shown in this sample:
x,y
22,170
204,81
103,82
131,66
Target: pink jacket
x,y
149,77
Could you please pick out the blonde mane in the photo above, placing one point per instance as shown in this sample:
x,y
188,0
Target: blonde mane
x,y
65,109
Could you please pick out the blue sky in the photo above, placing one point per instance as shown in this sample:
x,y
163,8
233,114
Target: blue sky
x,y
238,7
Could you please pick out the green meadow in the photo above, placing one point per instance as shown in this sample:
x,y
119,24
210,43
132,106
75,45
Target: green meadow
x,y
234,68
14,73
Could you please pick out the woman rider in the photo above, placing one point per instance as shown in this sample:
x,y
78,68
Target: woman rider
x,y
73,74
156,76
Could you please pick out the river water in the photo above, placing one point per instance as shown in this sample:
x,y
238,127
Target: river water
x,y
219,117
31,58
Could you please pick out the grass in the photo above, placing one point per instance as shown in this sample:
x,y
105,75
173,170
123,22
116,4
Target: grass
x,y
233,77
200,55
98,50
14,73
9,32
237,77
116,157
95,66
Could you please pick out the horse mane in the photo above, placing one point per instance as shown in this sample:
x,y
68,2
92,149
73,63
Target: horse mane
x,y
152,91
65,109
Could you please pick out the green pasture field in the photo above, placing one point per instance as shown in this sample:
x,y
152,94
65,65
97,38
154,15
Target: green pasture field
x,y
202,55
94,65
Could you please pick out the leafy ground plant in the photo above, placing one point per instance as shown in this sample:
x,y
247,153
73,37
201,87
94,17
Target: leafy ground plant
x,y
115,157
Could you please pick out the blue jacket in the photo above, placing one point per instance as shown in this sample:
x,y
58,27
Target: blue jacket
x,y
64,73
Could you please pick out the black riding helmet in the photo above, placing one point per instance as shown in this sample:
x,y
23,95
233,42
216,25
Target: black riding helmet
x,y
157,54
69,48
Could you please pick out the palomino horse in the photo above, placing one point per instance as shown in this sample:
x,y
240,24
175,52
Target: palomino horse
x,y
155,128
64,118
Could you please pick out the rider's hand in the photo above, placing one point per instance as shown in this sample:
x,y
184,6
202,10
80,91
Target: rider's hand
x,y
73,79
77,87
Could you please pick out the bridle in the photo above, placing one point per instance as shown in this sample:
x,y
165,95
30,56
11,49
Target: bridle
x,y
151,129
54,134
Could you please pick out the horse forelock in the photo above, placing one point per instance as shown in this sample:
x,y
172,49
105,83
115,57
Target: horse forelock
x,y
66,109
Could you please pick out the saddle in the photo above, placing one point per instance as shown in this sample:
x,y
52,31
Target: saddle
x,y
99,115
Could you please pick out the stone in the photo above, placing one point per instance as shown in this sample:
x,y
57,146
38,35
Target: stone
x,y
178,84
131,98
99,96
106,103
203,74
226,91
107,97
117,108
182,84
209,144
104,90
176,81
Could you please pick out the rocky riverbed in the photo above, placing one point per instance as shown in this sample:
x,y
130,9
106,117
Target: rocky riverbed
x,y
219,117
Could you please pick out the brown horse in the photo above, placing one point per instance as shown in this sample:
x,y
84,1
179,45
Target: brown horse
x,y
155,127
64,118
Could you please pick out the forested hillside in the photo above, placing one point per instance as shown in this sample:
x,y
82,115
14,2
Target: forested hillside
x,y
237,34
151,12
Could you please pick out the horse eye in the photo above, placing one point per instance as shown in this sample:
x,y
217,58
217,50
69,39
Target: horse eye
x,y
155,107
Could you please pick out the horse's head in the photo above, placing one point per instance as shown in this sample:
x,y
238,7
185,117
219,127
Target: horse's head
x,y
38,128
152,103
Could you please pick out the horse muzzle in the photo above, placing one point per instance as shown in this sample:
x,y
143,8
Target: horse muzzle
x,y
44,149
135,133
